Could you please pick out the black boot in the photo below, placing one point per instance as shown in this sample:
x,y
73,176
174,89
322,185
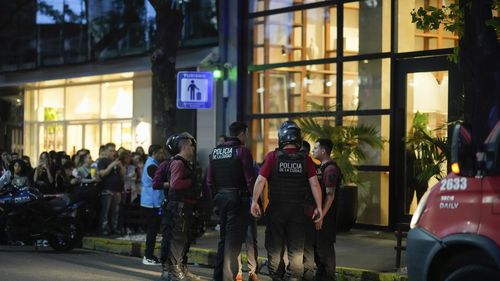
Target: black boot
x,y
176,273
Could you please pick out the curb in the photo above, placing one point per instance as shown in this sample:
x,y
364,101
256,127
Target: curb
x,y
207,257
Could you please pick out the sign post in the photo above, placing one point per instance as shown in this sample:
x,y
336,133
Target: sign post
x,y
194,90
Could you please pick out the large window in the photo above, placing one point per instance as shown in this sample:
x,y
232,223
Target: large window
x,y
47,32
295,63
67,115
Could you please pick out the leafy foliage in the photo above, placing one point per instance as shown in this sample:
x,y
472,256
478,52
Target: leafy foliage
x,y
452,19
348,142
431,153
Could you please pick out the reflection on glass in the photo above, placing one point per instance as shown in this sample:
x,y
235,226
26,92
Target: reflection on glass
x,y
264,133
48,32
366,84
373,198
381,123
301,35
426,115
295,89
367,26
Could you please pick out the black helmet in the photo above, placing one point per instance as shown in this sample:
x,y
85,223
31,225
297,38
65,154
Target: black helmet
x,y
289,133
173,142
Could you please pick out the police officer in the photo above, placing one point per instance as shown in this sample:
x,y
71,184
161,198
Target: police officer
x,y
290,174
231,176
319,248
178,213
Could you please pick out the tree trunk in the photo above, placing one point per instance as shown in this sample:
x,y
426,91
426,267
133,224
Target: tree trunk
x,y
479,61
169,23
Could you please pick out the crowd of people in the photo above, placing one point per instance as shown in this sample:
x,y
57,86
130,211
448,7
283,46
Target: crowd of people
x,y
115,175
299,208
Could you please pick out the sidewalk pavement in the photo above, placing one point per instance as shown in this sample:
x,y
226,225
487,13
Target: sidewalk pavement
x,y
361,254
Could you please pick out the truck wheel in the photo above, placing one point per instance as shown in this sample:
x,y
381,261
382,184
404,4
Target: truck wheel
x,y
473,272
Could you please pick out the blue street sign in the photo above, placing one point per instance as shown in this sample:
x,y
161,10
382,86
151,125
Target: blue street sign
x,y
194,89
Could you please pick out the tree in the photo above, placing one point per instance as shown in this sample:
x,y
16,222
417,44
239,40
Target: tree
x,y
478,57
169,23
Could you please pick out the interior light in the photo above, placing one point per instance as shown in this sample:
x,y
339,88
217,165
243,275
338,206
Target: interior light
x,y
293,84
127,74
329,83
455,168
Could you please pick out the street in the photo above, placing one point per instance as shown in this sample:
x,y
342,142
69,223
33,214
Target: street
x,y
25,263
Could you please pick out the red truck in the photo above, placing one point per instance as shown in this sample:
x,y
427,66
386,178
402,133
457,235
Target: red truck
x,y
455,230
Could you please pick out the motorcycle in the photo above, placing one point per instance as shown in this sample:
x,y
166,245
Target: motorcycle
x,y
29,216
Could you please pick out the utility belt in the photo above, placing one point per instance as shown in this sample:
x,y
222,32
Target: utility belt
x,y
234,190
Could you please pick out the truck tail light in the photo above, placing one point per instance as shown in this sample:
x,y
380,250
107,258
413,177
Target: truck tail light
x,y
455,168
420,209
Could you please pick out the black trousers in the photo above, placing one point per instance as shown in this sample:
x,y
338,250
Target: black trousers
x,y
153,222
319,250
175,228
285,226
233,214
252,248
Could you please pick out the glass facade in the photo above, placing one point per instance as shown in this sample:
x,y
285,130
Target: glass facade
x,y
70,114
39,33
299,67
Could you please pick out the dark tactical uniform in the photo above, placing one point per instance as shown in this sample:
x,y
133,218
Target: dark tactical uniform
x,y
231,176
178,217
319,245
288,185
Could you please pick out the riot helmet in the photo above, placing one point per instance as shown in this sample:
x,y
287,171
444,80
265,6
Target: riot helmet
x,y
174,140
289,133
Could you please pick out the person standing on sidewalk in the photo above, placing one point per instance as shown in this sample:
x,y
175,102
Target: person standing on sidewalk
x,y
111,171
319,248
231,176
289,172
151,201
178,213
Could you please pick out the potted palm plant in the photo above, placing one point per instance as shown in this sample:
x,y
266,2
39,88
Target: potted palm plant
x,y
426,155
349,146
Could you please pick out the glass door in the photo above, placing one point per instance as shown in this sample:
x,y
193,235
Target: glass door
x,y
426,100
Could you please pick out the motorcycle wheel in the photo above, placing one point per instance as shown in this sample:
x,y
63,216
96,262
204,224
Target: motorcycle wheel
x,y
66,235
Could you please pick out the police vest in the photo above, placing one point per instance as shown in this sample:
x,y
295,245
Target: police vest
x,y
190,193
320,172
288,182
227,168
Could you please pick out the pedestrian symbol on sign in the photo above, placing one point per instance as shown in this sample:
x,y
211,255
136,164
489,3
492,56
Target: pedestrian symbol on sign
x,y
192,89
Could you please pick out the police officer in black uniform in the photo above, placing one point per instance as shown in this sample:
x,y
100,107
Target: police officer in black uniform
x,y
182,196
319,250
290,174
231,176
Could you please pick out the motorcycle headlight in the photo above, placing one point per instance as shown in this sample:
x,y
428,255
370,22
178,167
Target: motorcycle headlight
x,y
420,209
